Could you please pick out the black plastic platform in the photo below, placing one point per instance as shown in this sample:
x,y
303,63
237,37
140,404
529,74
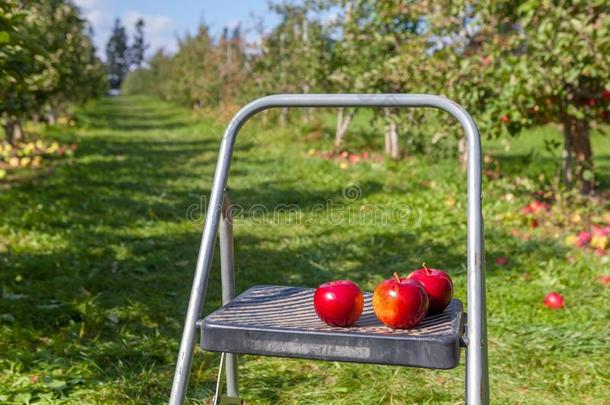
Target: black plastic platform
x,y
281,321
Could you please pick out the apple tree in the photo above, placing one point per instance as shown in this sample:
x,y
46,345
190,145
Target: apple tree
x,y
46,60
27,72
385,51
295,56
533,62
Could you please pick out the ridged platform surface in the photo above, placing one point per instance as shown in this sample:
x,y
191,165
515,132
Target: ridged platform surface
x,y
281,321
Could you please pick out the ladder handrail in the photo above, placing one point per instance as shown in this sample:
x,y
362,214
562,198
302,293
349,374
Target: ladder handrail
x,y
476,351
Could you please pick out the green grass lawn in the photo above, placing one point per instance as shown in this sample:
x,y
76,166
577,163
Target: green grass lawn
x,y
97,258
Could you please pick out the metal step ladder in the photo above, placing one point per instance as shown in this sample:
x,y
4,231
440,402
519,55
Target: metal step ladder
x,y
256,321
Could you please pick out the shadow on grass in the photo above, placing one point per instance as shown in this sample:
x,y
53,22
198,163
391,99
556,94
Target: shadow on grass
x,y
121,314
533,164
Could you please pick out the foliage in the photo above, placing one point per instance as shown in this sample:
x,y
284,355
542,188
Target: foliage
x,y
295,56
139,46
203,73
47,59
151,80
117,55
538,61
122,57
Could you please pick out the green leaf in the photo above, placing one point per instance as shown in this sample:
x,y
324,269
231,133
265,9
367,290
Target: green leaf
x,y
4,37
23,398
9,318
56,384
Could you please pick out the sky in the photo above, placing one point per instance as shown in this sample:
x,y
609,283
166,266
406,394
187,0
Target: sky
x,y
165,20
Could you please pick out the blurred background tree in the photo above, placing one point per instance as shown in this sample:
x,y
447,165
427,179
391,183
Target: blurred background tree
x,y
139,46
117,55
530,63
47,59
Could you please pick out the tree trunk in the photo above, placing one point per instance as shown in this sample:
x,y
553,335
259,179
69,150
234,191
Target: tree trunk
x,y
283,116
307,112
463,151
577,157
566,155
51,115
394,150
343,123
13,130
391,136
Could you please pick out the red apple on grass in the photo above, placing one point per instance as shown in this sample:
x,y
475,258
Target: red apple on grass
x,y
338,303
438,286
400,303
554,300
583,239
535,207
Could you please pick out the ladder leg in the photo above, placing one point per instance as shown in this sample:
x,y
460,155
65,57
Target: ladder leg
x,y
468,387
228,285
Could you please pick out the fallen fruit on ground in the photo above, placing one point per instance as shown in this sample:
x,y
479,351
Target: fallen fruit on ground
x,y
535,207
400,303
583,238
338,303
438,286
554,300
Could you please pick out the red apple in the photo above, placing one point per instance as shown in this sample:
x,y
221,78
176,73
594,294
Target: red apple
x,y
438,286
502,261
400,303
504,118
535,207
539,206
600,230
583,239
354,158
554,300
338,303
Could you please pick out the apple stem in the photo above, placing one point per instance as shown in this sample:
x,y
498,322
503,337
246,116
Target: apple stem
x,y
396,277
426,269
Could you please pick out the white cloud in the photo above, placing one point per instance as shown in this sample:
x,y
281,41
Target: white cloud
x,y
95,13
159,30
87,4
98,18
232,24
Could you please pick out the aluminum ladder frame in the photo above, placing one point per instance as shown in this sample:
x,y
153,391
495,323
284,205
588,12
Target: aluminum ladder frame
x,y
475,337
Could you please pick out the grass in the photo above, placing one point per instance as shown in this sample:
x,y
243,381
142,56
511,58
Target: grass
x,y
97,259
